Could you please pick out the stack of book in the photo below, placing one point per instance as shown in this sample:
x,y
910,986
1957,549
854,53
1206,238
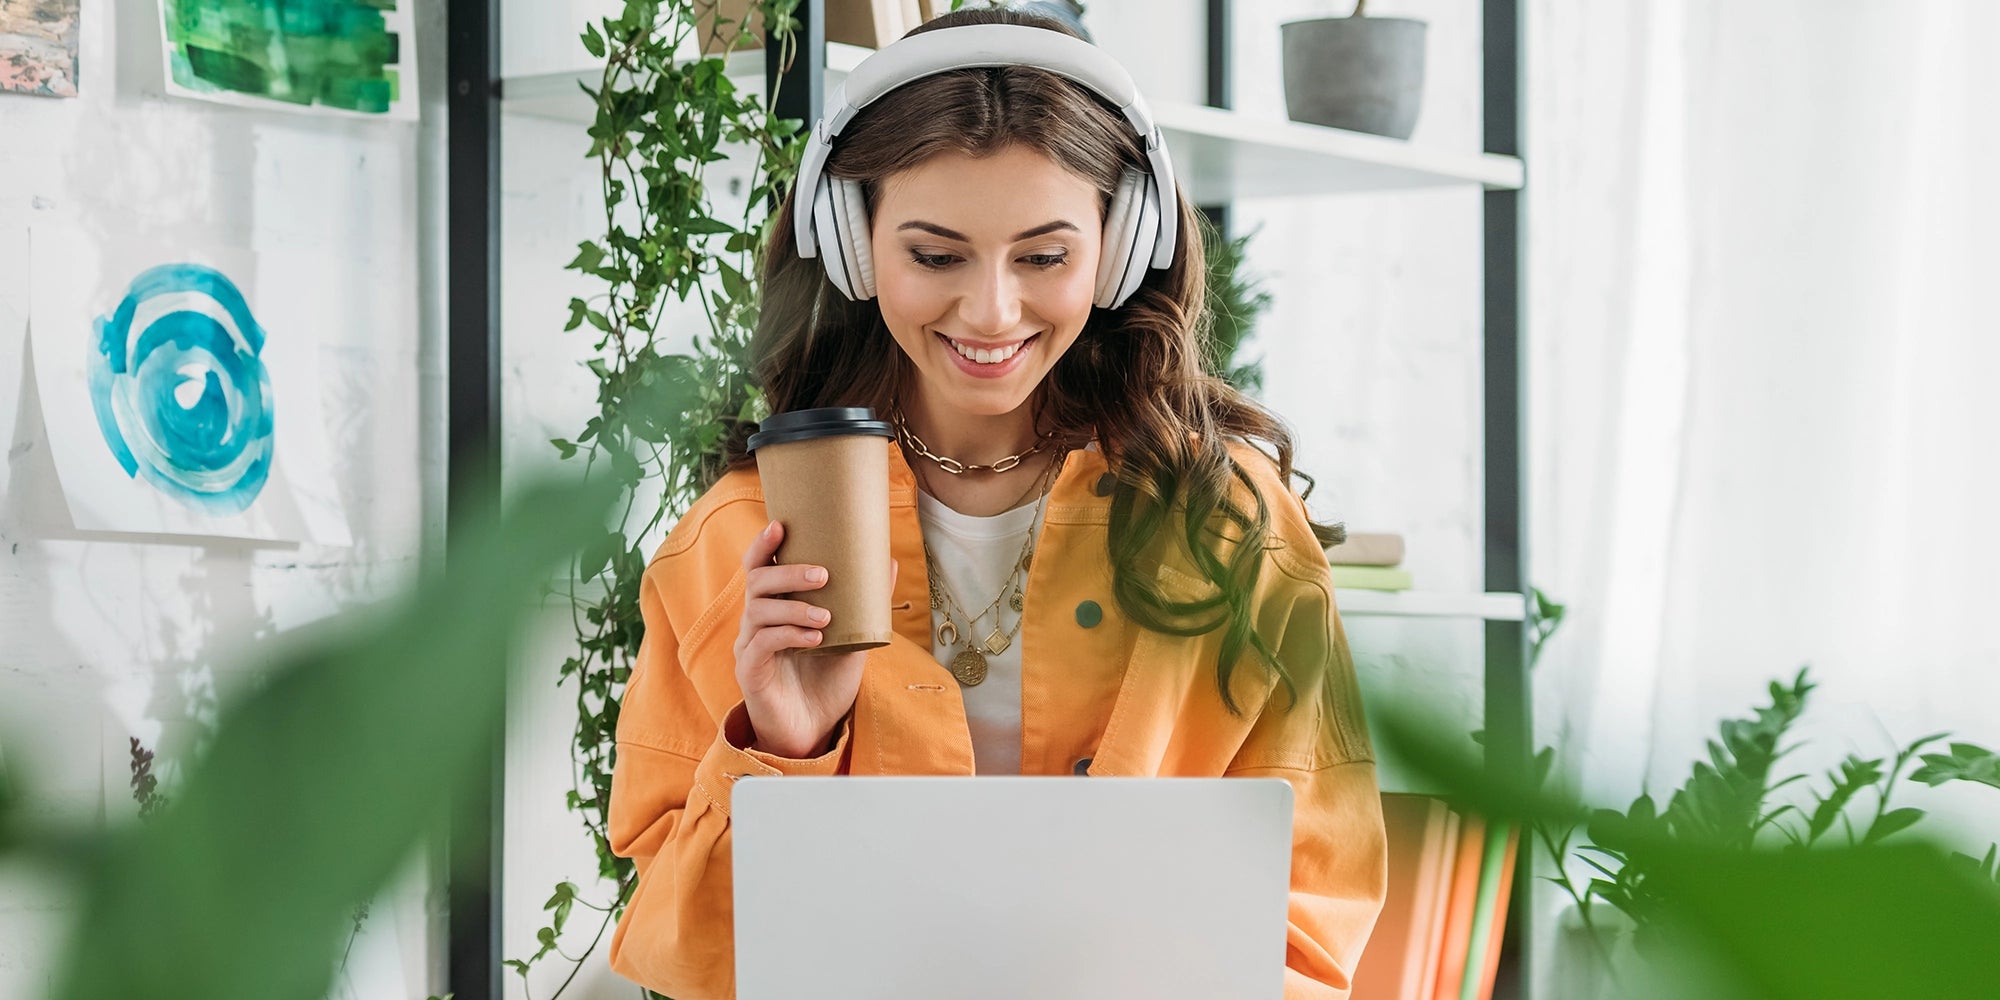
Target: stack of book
x,y
1369,562
870,24
1439,934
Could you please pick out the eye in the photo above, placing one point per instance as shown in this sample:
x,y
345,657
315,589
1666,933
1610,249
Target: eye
x,y
940,261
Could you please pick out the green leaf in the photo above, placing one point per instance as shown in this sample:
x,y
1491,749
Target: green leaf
x,y
567,449
1965,762
598,553
1594,863
705,226
1891,822
1790,924
588,256
733,282
564,891
577,309
629,473
562,908
593,42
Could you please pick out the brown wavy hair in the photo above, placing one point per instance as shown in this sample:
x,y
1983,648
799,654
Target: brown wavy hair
x,y
1134,378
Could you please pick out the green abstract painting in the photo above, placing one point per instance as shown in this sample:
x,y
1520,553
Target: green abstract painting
x,y
339,56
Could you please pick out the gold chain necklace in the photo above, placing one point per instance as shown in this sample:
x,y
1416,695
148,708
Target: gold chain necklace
x,y
970,665
954,466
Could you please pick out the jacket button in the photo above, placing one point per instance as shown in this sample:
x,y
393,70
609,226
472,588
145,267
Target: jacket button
x,y
1088,614
1105,484
1082,766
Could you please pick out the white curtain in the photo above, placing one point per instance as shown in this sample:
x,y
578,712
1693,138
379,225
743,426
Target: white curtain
x,y
1764,244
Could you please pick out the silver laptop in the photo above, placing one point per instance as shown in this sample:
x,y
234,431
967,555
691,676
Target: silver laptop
x,y
1015,888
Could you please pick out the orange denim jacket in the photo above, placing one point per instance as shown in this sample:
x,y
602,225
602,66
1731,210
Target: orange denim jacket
x,y
1100,695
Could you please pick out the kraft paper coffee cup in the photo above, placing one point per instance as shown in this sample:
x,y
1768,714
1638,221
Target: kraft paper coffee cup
x,y
826,479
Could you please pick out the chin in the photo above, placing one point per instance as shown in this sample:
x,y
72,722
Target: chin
x,y
988,401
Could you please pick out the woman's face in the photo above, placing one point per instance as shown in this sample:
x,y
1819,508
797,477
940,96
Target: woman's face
x,y
995,255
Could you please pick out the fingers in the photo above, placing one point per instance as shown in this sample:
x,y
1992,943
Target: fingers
x,y
764,547
766,612
762,578
771,625
765,581
767,642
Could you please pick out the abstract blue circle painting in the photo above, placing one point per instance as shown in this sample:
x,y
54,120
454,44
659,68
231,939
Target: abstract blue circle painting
x,y
180,390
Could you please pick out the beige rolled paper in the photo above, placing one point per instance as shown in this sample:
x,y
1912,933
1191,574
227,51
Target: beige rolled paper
x,y
831,493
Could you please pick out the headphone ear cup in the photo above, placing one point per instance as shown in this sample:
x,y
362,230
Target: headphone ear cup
x,y
1146,235
850,207
826,232
1120,225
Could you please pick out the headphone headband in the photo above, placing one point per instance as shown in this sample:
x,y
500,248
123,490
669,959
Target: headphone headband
x,y
971,46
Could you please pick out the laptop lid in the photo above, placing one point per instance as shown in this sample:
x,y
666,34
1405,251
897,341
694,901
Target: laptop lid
x,y
1011,887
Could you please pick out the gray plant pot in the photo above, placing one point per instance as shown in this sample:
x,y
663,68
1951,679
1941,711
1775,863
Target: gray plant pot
x,y
1360,73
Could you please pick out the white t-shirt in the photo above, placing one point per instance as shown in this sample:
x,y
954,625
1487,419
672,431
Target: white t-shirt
x,y
975,557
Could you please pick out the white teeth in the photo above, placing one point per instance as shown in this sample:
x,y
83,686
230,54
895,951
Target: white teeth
x,y
986,357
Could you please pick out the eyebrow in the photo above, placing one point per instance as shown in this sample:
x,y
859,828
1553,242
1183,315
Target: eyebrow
x,y
1029,234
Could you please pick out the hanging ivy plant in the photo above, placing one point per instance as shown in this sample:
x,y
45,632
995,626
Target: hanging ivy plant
x,y
661,415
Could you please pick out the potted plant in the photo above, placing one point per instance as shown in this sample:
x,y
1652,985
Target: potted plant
x,y
1729,803
1356,72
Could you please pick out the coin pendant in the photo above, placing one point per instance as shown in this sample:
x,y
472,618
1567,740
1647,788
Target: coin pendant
x,y
969,667
1016,601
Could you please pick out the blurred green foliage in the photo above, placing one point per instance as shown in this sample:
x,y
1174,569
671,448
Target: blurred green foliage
x,y
321,781
1756,894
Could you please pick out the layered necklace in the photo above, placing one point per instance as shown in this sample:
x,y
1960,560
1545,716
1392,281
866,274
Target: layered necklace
x,y
970,664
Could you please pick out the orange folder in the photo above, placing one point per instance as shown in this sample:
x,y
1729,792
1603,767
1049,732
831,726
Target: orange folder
x,y
1464,893
1402,952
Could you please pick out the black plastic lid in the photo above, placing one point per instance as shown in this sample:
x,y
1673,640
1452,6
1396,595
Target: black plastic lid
x,y
826,421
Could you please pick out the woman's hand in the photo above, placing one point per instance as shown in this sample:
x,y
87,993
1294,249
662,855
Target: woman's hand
x,y
794,700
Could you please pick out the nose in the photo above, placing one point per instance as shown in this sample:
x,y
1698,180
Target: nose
x,y
992,306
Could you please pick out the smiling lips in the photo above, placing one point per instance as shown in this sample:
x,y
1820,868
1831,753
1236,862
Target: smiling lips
x,y
988,355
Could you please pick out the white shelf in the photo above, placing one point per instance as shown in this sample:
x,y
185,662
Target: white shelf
x,y
1220,156
1224,156
559,95
1429,604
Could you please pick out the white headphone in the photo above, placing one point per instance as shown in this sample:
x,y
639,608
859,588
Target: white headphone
x,y
1139,228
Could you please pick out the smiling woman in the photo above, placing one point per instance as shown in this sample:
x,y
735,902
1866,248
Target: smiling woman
x,y
986,245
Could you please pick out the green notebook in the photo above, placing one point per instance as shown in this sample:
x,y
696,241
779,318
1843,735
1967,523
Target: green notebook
x,y
1371,577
